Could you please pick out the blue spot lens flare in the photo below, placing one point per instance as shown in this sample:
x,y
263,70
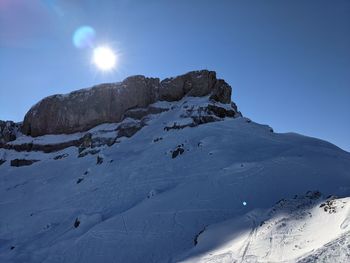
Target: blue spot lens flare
x,y
84,37
244,203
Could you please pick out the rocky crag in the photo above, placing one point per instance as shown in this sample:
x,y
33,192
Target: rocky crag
x,y
109,103
128,103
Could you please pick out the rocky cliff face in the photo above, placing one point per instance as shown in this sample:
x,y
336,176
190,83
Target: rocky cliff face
x,y
108,103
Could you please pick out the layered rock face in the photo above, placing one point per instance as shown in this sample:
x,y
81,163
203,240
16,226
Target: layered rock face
x,y
108,103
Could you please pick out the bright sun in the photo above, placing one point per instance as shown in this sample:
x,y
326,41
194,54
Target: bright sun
x,y
104,58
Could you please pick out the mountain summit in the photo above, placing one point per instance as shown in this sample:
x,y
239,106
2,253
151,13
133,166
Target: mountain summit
x,y
84,109
166,171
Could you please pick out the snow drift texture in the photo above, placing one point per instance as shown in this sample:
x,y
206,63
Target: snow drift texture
x,y
167,183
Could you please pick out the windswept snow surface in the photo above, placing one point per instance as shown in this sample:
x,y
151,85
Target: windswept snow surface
x,y
142,205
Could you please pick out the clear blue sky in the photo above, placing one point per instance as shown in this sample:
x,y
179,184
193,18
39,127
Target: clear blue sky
x,y
288,61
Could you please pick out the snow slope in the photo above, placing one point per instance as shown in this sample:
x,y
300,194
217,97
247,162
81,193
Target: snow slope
x,y
137,201
306,228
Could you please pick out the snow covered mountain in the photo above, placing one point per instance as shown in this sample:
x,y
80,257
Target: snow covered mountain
x,y
179,177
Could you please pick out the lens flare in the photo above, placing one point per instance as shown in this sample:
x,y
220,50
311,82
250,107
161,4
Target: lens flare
x,y
84,37
104,58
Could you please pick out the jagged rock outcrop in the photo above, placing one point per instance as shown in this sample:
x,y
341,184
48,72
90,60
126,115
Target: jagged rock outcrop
x,y
22,162
195,84
8,131
108,103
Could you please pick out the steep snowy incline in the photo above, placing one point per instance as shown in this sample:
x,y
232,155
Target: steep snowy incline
x,y
163,194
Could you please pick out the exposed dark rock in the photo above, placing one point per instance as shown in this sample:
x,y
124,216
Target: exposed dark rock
x,y
198,120
128,129
8,131
2,161
89,142
80,180
97,142
16,185
195,83
157,139
49,148
210,113
313,194
22,162
61,156
139,113
203,115
221,92
46,148
330,205
92,152
76,223
195,241
99,159
86,142
178,151
176,126
221,112
110,103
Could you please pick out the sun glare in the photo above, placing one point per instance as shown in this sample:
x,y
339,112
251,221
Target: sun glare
x,y
104,58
